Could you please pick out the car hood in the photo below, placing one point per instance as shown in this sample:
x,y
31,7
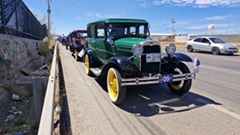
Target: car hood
x,y
82,38
225,44
128,42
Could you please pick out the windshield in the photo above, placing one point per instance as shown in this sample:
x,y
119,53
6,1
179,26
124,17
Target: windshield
x,y
128,29
81,34
216,40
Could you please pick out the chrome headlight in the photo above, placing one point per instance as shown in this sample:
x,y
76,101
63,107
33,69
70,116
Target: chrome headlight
x,y
83,42
137,49
170,48
225,47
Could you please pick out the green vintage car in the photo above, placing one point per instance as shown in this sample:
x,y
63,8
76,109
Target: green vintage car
x,y
121,52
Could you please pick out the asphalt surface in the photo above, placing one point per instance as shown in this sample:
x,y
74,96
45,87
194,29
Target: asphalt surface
x,y
212,107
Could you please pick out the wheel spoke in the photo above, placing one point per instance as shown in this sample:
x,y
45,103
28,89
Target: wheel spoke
x,y
87,64
114,85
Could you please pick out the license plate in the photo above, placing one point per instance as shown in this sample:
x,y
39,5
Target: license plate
x,y
153,57
166,78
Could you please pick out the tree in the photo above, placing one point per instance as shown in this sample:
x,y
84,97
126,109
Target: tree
x,y
42,20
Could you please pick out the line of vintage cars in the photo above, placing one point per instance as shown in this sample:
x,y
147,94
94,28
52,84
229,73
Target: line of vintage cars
x,y
121,52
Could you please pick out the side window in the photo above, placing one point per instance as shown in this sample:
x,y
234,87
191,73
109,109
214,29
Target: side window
x,y
100,31
141,30
126,31
79,35
198,40
205,40
133,30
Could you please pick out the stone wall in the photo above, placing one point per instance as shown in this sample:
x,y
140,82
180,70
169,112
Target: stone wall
x,y
17,53
14,53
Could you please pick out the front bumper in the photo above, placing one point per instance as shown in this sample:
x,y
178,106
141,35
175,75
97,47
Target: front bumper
x,y
229,51
158,79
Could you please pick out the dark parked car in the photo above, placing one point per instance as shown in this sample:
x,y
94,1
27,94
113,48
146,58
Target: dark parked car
x,y
121,52
78,42
211,44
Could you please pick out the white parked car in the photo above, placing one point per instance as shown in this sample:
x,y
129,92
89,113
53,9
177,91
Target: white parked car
x,y
211,44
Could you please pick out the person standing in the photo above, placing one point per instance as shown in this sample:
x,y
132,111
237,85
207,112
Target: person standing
x,y
63,39
67,41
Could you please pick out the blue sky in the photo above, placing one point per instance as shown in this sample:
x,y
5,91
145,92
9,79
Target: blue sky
x,y
191,16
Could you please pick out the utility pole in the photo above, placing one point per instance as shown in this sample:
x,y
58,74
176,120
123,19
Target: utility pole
x,y
49,12
173,21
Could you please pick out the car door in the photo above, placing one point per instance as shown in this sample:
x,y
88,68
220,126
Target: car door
x,y
92,41
105,50
206,45
100,42
197,43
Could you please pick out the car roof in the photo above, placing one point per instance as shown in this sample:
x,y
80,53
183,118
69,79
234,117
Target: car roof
x,y
79,31
206,37
119,20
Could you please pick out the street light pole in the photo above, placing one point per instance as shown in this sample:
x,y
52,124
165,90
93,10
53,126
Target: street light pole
x,y
49,12
173,21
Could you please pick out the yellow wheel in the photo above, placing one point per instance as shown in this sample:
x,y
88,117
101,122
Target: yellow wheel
x,y
76,55
87,65
116,92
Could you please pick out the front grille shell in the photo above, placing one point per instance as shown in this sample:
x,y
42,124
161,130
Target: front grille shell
x,y
150,69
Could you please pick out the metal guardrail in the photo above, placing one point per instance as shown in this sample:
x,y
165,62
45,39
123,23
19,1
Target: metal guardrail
x,y
47,117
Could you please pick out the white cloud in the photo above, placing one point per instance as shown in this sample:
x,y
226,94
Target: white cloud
x,y
217,2
219,28
182,22
219,17
99,15
230,31
94,14
197,27
145,4
224,25
198,3
160,2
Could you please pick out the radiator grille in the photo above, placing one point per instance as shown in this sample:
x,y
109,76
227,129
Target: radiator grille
x,y
152,68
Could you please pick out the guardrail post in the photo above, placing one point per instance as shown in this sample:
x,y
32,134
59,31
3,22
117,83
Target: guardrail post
x,y
39,90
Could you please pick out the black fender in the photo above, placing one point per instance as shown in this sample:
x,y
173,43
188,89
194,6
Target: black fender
x,y
125,66
90,56
173,61
182,57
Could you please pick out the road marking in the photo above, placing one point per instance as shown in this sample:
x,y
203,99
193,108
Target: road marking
x,y
221,109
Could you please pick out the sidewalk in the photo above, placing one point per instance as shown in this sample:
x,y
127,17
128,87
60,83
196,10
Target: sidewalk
x,y
72,81
86,101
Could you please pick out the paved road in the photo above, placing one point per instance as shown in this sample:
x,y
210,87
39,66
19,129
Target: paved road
x,y
212,107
